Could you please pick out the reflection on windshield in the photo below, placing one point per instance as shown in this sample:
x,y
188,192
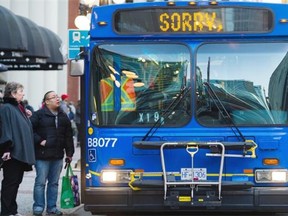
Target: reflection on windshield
x,y
135,84
250,81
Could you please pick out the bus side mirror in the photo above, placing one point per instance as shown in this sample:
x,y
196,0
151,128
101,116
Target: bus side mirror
x,y
77,67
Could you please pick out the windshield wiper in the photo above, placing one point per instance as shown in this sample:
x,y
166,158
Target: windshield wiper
x,y
216,99
222,109
167,112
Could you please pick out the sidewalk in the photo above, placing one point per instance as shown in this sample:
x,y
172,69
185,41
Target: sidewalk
x,y
25,193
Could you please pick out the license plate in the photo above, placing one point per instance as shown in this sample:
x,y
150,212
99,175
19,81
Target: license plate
x,y
198,174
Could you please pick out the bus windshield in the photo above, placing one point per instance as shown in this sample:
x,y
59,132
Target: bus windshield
x,y
135,84
249,79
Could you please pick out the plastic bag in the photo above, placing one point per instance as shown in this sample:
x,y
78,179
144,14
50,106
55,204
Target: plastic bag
x,y
75,188
67,196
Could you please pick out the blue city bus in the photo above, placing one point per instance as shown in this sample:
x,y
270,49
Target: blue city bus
x,y
184,106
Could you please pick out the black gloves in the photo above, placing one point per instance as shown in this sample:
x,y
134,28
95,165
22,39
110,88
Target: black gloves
x,y
68,160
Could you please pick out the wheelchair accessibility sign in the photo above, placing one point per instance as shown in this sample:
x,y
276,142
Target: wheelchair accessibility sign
x,y
92,155
77,38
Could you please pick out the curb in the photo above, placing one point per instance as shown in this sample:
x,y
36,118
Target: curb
x,y
72,210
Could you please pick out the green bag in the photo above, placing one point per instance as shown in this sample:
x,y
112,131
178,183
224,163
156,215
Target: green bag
x,y
67,196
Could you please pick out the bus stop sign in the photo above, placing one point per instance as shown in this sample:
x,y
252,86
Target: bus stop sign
x,y
77,38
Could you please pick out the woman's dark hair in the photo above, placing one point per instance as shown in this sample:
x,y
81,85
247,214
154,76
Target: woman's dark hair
x,y
45,96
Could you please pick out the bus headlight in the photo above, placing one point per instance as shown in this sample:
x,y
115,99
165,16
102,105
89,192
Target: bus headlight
x,y
271,176
115,176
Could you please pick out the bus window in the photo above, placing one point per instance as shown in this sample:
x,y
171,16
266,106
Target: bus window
x,y
250,81
135,84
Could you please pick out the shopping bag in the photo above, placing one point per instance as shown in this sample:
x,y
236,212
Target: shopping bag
x,y
75,187
67,196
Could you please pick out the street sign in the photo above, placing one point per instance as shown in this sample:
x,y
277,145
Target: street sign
x,y
77,38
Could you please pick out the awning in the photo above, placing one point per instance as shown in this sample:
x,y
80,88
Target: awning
x,y
37,46
56,59
13,38
43,46
38,50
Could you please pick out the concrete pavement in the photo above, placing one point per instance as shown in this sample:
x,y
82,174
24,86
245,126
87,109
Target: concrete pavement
x,y
25,193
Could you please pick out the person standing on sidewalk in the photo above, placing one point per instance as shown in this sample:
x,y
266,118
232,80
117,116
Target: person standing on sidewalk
x,y
52,136
16,145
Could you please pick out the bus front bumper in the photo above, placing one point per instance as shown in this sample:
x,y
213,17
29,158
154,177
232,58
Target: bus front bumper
x,y
111,200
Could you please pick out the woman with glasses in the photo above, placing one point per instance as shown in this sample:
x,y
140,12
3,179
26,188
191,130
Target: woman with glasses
x,y
53,138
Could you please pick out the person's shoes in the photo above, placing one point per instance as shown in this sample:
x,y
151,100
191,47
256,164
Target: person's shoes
x,y
54,212
37,213
18,214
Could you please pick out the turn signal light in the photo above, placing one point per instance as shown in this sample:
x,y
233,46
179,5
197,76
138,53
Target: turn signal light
x,y
117,162
271,161
248,171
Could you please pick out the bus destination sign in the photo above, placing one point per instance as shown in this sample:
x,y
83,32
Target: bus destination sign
x,y
193,20
190,22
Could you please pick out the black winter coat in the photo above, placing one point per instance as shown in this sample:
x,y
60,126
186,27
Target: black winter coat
x,y
16,134
58,138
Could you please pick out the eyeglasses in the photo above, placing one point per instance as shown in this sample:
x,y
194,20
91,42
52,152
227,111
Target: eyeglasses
x,y
53,97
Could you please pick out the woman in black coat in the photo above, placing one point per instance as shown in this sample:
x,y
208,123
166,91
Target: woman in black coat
x,y
16,145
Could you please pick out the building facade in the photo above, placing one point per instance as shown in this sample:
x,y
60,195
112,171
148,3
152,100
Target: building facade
x,y
54,15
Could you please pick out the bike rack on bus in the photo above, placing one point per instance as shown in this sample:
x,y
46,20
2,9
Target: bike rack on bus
x,y
192,148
